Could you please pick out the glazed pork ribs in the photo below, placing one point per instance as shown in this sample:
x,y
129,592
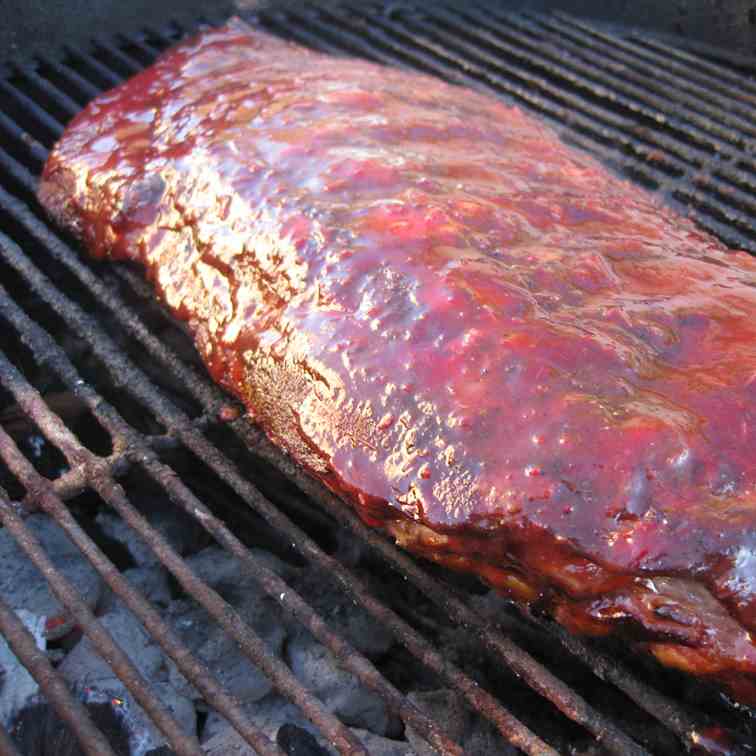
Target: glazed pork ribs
x,y
514,362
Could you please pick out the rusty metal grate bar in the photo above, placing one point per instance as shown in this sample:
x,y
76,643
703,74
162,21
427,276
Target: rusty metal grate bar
x,y
638,71
85,619
99,475
489,56
71,711
79,83
105,74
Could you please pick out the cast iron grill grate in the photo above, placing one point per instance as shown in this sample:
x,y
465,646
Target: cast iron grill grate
x,y
676,121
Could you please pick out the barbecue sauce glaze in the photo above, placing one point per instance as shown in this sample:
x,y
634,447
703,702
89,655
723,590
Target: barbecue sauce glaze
x,y
516,363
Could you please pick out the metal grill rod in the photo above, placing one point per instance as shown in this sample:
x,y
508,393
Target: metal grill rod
x,y
36,82
35,150
720,163
106,75
148,52
22,100
33,405
64,591
631,68
71,711
84,87
127,63
740,85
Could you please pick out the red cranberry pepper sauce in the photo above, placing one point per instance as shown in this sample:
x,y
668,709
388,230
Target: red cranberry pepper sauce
x,y
453,319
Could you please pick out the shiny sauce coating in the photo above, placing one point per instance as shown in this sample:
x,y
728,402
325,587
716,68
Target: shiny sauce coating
x,y
513,361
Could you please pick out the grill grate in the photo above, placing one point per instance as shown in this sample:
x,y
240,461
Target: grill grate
x,y
673,120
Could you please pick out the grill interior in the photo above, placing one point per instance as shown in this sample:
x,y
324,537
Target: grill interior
x,y
102,399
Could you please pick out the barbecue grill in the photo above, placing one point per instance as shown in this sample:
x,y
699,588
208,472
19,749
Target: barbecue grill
x,y
101,400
